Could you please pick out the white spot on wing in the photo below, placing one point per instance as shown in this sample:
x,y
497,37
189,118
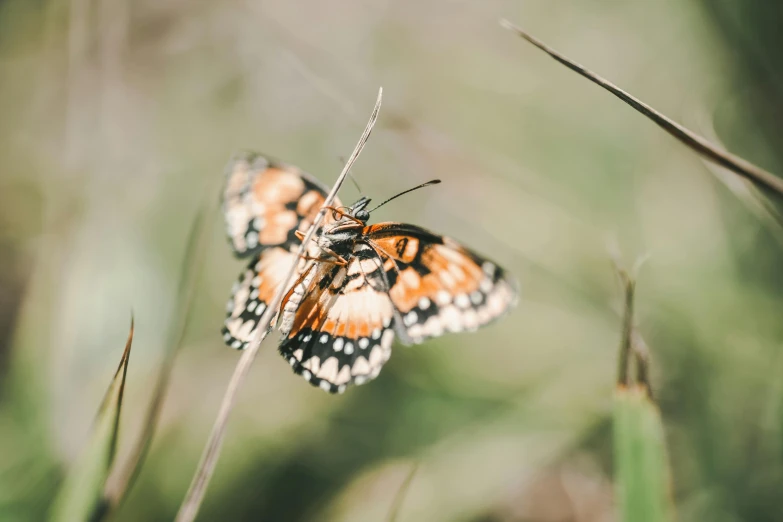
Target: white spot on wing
x,y
485,285
312,364
245,329
360,366
344,376
376,357
433,327
462,301
388,336
338,344
451,317
470,320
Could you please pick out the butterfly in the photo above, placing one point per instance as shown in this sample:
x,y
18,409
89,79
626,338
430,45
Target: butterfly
x,y
357,287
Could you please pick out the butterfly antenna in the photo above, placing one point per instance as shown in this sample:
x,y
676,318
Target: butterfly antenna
x,y
431,182
353,180
355,183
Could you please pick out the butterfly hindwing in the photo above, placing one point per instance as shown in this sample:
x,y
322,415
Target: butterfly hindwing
x,y
252,293
436,284
340,333
265,202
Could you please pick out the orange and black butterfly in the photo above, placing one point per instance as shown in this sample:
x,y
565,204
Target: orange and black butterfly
x,y
358,286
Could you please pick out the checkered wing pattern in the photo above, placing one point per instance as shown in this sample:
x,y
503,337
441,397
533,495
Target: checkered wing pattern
x,y
252,293
338,323
436,284
265,202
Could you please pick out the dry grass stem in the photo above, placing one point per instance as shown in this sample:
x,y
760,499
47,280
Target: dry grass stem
x,y
642,357
401,493
627,334
206,467
692,140
123,367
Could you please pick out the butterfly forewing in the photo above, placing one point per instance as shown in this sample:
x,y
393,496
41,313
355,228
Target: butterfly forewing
x,y
436,284
265,202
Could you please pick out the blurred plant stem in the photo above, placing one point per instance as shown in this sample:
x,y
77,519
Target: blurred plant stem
x,y
394,512
81,496
190,505
642,476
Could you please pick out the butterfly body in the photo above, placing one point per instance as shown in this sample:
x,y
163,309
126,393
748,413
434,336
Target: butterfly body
x,y
358,287
342,235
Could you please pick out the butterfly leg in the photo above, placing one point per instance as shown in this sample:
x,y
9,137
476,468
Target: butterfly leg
x,y
340,259
342,213
378,250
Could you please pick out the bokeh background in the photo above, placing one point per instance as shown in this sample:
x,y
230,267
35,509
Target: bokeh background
x,y
117,117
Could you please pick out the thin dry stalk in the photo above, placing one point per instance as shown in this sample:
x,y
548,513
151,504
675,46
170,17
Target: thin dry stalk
x,y
642,356
629,333
192,502
625,343
394,512
692,140
105,404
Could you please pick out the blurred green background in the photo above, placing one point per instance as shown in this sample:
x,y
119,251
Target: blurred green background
x,y
117,117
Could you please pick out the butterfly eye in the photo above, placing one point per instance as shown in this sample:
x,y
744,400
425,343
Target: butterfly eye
x,y
362,215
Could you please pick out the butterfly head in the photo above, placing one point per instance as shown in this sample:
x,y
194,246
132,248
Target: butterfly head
x,y
359,209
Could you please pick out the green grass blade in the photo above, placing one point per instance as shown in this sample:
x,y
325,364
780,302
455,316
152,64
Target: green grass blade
x,y
641,465
81,496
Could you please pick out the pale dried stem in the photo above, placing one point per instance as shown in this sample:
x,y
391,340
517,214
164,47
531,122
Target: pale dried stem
x,y
692,140
394,512
190,505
